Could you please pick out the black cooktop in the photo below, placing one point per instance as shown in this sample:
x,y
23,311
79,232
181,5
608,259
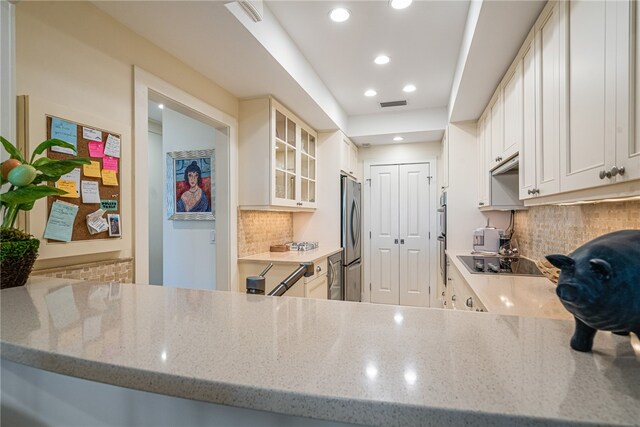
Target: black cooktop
x,y
500,265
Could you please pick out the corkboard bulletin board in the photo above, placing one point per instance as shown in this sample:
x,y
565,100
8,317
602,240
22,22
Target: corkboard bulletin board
x,y
80,229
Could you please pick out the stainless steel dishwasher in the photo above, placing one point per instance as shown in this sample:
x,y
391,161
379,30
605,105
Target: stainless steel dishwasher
x,y
334,277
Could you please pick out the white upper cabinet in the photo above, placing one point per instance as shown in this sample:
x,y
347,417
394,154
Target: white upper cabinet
x,y
445,160
277,158
512,112
549,100
528,147
591,79
349,157
628,91
497,131
601,50
483,171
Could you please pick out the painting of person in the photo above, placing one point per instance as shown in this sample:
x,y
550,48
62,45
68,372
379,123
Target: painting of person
x,y
193,190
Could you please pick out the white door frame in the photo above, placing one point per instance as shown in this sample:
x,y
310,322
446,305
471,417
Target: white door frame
x,y
366,226
226,219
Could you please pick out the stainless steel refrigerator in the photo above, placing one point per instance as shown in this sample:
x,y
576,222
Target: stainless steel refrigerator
x,y
351,209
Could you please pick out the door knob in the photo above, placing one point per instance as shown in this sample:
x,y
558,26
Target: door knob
x,y
617,171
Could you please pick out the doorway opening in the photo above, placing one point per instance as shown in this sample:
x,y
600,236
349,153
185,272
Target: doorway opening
x,y
183,211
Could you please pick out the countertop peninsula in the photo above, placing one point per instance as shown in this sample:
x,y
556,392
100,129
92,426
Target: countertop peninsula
x,y
289,257
531,296
331,360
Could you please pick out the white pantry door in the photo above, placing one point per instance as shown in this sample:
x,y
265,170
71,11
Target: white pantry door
x,y
414,234
399,214
384,235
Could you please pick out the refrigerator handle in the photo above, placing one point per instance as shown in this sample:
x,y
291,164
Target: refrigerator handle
x,y
355,229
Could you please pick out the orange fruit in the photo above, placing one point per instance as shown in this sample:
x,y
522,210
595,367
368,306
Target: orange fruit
x,y
7,166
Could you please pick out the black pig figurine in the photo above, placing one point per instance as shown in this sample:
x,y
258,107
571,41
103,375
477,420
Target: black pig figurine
x,y
599,284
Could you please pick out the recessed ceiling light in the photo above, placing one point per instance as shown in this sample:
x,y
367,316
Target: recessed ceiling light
x,y
381,59
398,138
370,92
409,88
400,4
161,106
339,14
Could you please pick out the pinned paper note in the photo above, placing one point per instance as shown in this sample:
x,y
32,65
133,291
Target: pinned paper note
x,y
69,187
67,132
96,149
91,134
96,223
112,147
74,176
109,177
60,223
90,192
92,170
109,205
110,163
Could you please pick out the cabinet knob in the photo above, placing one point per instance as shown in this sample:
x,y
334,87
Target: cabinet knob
x,y
453,297
395,241
318,269
604,174
529,191
617,171
469,302
481,203
402,241
442,293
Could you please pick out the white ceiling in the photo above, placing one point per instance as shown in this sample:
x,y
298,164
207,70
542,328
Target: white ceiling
x,y
320,69
423,42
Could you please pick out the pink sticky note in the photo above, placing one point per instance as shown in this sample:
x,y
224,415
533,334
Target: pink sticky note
x,y
110,163
96,149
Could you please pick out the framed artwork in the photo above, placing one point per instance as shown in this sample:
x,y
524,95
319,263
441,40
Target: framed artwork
x,y
191,185
115,227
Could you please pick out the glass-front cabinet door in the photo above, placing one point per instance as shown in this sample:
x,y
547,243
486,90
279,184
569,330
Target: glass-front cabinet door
x,y
307,168
293,160
285,154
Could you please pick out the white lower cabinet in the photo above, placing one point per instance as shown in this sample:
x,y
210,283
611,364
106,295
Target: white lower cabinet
x,y
317,288
459,295
310,287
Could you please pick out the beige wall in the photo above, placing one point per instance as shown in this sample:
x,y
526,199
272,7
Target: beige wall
x,y
74,55
545,230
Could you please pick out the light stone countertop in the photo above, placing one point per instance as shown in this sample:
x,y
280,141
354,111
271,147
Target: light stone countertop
x,y
513,295
290,256
331,360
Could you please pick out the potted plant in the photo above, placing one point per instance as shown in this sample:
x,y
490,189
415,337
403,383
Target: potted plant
x,y
27,183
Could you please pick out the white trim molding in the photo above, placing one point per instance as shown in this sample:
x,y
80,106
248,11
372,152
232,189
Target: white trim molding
x,y
146,84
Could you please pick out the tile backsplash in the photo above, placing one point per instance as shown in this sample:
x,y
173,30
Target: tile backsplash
x,y
257,230
544,230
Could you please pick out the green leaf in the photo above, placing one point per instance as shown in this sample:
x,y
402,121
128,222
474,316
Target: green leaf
x,y
45,178
51,143
26,206
58,168
26,195
42,161
12,150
